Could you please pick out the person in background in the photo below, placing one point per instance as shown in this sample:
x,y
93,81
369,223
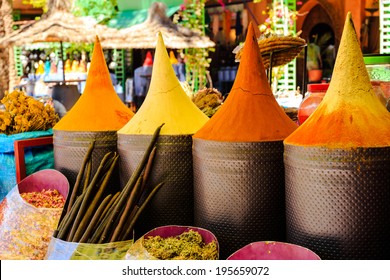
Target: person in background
x,y
141,80
178,66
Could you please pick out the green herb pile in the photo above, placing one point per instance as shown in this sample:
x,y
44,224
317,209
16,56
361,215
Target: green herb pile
x,y
187,246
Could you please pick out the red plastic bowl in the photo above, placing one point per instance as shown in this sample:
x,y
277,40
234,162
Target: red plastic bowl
x,y
271,250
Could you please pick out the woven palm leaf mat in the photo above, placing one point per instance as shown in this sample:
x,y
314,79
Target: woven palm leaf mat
x,y
337,201
239,192
282,48
173,203
70,149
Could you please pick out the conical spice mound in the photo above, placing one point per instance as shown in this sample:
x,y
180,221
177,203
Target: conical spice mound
x,y
350,115
250,112
166,102
99,108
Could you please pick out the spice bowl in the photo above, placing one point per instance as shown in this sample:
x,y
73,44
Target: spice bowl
x,y
273,250
139,249
46,179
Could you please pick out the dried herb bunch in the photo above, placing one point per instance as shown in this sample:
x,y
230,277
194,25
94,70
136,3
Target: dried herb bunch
x,y
93,215
208,100
24,113
187,246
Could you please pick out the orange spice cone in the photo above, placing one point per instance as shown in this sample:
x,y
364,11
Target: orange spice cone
x,y
238,160
96,116
337,166
350,115
99,108
250,112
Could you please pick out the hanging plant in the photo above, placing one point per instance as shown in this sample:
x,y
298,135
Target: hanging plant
x,y
101,11
279,15
191,15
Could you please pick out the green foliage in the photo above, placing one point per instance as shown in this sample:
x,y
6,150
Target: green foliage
x,y
77,48
197,60
102,11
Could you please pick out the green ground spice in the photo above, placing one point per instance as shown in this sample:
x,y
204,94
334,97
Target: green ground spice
x,y
187,246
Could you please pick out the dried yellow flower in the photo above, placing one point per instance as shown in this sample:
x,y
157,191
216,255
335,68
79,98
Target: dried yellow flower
x,y
23,113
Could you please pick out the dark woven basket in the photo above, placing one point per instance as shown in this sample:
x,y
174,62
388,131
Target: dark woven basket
x,y
337,201
239,192
70,148
173,204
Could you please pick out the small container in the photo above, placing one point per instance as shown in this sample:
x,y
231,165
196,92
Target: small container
x,y
314,95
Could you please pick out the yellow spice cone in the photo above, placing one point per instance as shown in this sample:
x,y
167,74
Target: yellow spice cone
x,y
166,102
350,115
99,108
250,112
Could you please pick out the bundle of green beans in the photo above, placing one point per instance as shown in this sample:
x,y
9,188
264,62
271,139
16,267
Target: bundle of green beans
x,y
93,216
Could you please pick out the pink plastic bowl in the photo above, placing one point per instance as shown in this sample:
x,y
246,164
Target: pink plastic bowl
x,y
175,230
45,179
271,250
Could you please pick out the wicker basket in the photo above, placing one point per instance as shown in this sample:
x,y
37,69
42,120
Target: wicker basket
x,y
281,49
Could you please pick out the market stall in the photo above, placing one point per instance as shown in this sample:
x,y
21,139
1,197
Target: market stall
x,y
60,25
143,36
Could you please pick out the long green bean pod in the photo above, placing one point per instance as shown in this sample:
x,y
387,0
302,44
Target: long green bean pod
x,y
129,205
80,175
91,208
88,194
112,201
129,186
68,221
87,176
103,221
141,208
95,219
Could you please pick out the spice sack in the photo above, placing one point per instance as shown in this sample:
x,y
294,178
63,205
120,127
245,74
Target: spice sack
x,y
26,229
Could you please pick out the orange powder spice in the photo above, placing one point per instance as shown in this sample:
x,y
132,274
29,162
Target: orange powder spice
x,y
99,108
250,112
350,115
